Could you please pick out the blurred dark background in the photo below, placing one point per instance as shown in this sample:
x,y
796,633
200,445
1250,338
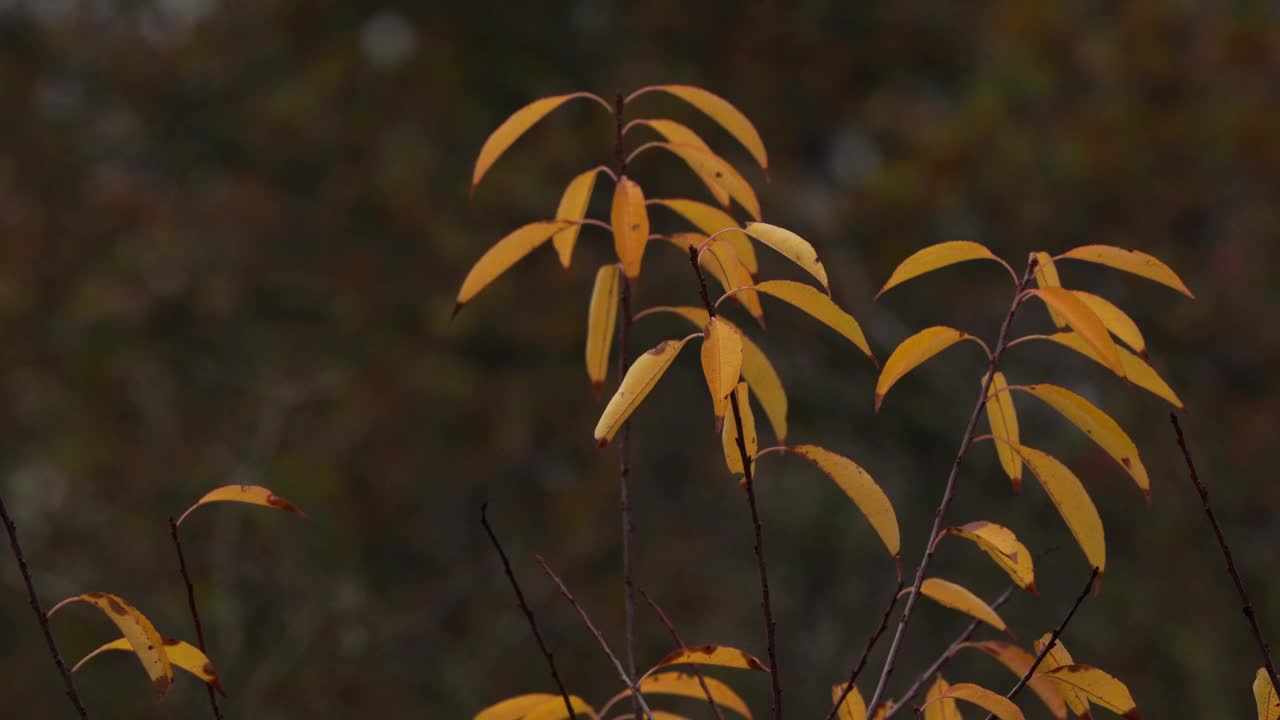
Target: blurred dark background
x,y
231,234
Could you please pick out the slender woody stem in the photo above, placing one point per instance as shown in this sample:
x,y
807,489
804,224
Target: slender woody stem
x,y
33,598
528,613
866,652
949,493
1247,607
191,604
697,669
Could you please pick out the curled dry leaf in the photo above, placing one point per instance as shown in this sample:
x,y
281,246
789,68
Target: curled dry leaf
x,y
820,307
997,705
913,351
1135,370
959,598
718,655
138,631
504,253
516,707
1264,695
686,685
1058,656
861,489
853,707
1085,322
729,434
555,709
1047,276
721,363
1003,547
724,113
1072,501
248,494
934,257
1101,689
795,248
630,222
716,174
638,382
711,220
938,707
573,208
1130,261
1003,417
512,128
602,316
1019,661
181,654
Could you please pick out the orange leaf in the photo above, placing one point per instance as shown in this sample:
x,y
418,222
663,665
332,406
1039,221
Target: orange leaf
x,y
555,709
1135,370
602,316
1003,417
1085,322
820,307
956,597
1264,695
795,248
913,351
853,707
724,113
516,707
638,382
630,223
1072,501
1003,546
945,708
686,685
721,363
181,654
934,257
718,655
674,132
1115,320
861,489
1130,261
1101,688
248,494
717,174
997,705
573,208
504,253
721,260
512,128
1058,656
1019,661
138,631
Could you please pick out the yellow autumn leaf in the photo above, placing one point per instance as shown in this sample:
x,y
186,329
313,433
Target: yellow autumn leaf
x,y
141,635
602,316
1085,322
723,112
1264,695
181,654
513,127
687,685
729,433
820,307
572,209
1047,276
718,655
1003,547
1115,320
1019,661
630,222
721,363
1135,370
1058,656
555,709
504,253
1098,426
1101,689
853,707
722,262
516,707
997,705
1130,261
674,132
716,173
959,598
1072,501
1003,417
861,489
945,708
934,257
248,494
638,382
792,246
711,220
913,351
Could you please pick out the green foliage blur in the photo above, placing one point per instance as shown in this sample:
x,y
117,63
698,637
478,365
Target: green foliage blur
x,y
230,237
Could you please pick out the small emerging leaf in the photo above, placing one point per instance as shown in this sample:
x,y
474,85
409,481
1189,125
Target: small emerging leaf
x,y
944,708
1098,426
959,598
1003,417
729,434
795,248
630,222
1264,695
248,494
997,705
181,654
724,113
721,363
602,316
1003,547
1130,261
861,489
820,307
913,351
853,707
1085,322
1101,688
934,257
1072,501
718,655
137,630
639,381
512,128
1019,661
573,208
686,685
1135,370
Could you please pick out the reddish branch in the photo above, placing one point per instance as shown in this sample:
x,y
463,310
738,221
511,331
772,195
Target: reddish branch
x,y
866,652
195,611
1247,607
697,669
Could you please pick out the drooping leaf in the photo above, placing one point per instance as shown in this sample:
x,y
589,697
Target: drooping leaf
x,y
934,257
248,494
1098,426
1072,501
1003,547
1101,689
675,133
1019,661
555,709
183,655
724,113
573,208
1264,695
718,655
630,222
959,598
944,708
141,635
1047,276
716,174
504,253
998,705
853,707
686,685
516,707
1003,417
1058,656
861,489
1085,322
1130,261
711,220
722,262
729,434
795,248
602,317
1135,370
721,363
638,382
512,128
821,307
1115,320
913,351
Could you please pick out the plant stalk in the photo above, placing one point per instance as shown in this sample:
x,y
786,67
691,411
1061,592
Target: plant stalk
x,y
195,611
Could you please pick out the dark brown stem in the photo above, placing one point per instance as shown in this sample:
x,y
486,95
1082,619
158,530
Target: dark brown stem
x,y
586,619
697,670
195,612
528,613
1247,606
33,598
866,652
702,282
949,493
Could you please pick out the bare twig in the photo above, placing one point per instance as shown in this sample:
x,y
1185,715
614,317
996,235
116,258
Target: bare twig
x,y
528,613
1247,607
697,669
866,652
586,619
949,493
195,611
33,599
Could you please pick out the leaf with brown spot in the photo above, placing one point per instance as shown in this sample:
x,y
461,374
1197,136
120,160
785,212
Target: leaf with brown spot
x,y
1130,261
1135,370
934,257
636,385
1101,689
718,655
721,363
853,707
945,708
182,655
729,433
997,705
1264,695
602,316
1019,661
516,707
861,488
687,685
248,494
717,174
504,253
1003,418
1115,320
724,113
1058,656
573,208
711,220
1085,322
820,307
961,599
512,128
1072,502
630,222
720,260
674,132
1003,547
914,351
138,631
793,247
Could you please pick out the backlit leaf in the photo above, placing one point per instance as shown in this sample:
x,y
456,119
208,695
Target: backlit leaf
x,y
1135,370
795,248
710,220
959,598
945,708
861,489
724,113
1047,276
248,494
718,655
181,654
821,307
716,174
1085,322
934,257
137,630
853,707
1019,661
1097,425
504,253
630,222
686,685
1058,656
913,351
555,709
721,363
998,705
1003,418
638,382
602,316
573,208
512,128
1101,688
1072,501
1264,695
1003,546
516,707
1130,261
729,433
1115,320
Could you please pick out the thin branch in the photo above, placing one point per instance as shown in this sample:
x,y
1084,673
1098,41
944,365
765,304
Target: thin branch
x,y
949,493
586,619
528,613
866,652
697,669
1247,607
195,611
34,599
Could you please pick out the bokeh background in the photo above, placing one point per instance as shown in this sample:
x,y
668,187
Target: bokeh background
x,y
231,233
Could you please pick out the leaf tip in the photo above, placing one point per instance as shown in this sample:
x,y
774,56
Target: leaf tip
x,y
1031,588
601,442
879,400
